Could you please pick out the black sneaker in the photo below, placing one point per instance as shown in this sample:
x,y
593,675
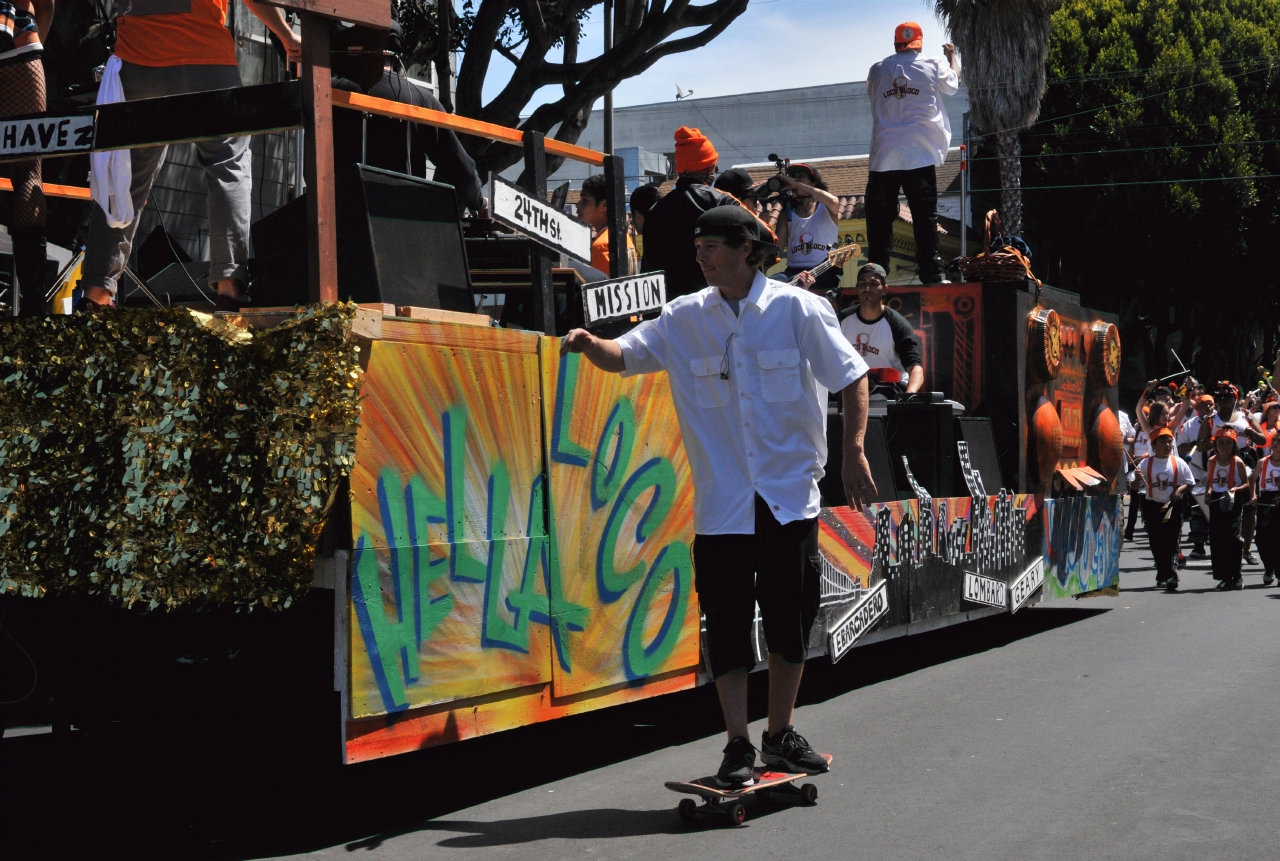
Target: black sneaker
x,y
1268,578
1198,551
736,767
1237,584
1171,584
1160,583
1249,560
1182,560
790,751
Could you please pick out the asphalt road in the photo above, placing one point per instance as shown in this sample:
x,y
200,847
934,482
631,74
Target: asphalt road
x,y
1131,727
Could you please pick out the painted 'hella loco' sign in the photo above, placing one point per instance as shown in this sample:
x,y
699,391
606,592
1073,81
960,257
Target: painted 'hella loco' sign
x,y
623,297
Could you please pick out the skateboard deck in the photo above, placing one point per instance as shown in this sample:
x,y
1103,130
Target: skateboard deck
x,y
718,799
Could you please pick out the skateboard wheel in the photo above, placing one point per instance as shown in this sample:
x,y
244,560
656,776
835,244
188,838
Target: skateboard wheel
x,y
809,793
688,809
737,813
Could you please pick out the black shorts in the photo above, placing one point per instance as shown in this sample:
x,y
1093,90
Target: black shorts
x,y
777,567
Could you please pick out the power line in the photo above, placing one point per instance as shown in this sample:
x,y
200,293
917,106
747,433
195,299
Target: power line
x,y
1135,149
1135,99
1135,182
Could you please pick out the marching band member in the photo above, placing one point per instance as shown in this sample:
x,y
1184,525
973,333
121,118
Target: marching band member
x,y
1166,477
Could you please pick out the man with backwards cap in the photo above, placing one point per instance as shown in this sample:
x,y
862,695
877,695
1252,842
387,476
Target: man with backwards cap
x,y
910,135
881,335
668,228
746,358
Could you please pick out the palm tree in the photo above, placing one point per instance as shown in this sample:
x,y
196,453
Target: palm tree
x,y
1003,44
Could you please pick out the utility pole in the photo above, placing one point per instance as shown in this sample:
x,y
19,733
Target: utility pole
x,y
608,97
964,186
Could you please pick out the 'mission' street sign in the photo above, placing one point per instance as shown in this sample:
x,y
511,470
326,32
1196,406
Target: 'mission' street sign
x,y
623,297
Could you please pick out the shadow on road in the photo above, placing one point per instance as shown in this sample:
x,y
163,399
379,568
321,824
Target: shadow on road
x,y
267,783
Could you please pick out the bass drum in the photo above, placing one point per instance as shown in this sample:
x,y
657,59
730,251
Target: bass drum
x,y
1103,354
1044,344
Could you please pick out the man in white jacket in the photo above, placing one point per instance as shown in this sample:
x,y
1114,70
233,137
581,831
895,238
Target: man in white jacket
x,y
910,135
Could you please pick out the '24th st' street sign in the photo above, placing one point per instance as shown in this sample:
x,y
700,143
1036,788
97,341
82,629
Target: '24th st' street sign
x,y
544,224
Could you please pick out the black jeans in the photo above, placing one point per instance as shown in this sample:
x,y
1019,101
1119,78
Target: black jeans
x,y
1162,535
775,567
1267,532
1226,546
1135,503
921,188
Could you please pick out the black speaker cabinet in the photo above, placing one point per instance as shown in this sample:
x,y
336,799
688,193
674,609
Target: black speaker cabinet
x,y
399,242
925,434
875,445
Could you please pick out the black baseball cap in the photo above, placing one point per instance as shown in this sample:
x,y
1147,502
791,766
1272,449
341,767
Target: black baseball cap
x,y
734,223
735,181
875,269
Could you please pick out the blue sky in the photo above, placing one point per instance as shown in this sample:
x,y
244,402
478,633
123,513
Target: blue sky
x,y
774,44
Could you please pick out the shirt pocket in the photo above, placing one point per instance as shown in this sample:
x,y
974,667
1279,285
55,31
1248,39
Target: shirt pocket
x,y
779,375
710,391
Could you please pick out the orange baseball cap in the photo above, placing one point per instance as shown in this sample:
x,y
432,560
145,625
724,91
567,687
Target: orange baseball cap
x,y
1162,432
908,37
1225,430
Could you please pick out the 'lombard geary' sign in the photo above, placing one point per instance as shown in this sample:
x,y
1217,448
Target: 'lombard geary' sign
x,y
1026,584
542,223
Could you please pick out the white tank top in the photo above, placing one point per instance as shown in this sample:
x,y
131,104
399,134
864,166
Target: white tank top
x,y
1222,475
809,239
1269,478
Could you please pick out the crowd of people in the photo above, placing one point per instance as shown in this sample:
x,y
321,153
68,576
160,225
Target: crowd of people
x,y
1206,457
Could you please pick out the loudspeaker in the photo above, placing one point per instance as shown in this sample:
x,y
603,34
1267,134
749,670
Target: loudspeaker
x,y
983,456
875,446
925,434
399,242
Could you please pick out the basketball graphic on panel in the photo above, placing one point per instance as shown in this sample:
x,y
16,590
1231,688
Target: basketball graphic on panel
x,y
1046,441
1108,442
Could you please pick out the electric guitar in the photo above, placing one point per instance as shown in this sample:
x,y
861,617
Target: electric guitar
x,y
835,257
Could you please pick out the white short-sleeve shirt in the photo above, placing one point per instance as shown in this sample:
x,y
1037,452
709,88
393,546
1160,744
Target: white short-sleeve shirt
x,y
1164,476
750,394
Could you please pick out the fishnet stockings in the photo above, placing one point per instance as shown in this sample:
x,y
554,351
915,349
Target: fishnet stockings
x,y
22,92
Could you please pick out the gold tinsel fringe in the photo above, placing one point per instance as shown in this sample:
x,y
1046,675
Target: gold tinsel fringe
x,y
165,457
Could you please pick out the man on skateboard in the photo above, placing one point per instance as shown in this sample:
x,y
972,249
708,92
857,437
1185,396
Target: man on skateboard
x,y
746,357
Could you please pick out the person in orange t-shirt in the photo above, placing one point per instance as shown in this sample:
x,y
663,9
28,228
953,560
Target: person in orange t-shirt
x,y
168,47
593,208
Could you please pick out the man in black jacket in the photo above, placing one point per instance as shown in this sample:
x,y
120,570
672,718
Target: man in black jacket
x,y
881,335
399,145
668,228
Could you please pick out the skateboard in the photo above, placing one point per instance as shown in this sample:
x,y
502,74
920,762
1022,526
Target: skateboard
x,y
728,802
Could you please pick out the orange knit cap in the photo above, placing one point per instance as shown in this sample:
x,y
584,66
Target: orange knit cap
x,y
908,37
694,153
